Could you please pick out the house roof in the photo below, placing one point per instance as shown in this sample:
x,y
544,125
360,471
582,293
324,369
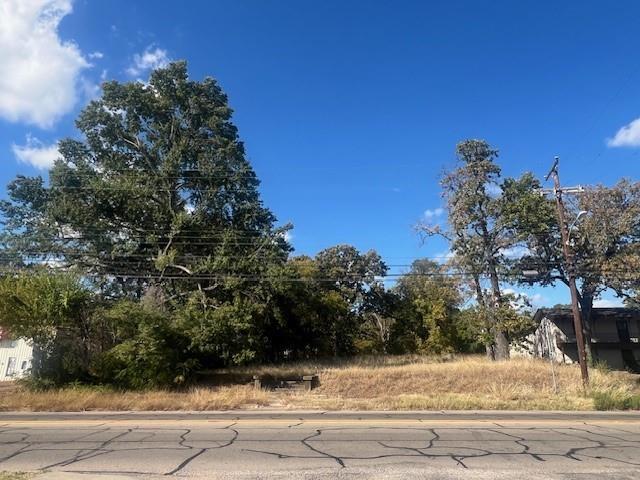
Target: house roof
x,y
611,314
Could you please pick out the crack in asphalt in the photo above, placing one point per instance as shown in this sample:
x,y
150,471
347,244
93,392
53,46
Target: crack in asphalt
x,y
305,442
599,444
190,459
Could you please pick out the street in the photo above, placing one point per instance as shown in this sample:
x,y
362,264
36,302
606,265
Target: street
x,y
322,445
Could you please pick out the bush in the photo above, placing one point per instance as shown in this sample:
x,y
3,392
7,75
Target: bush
x,y
615,400
154,354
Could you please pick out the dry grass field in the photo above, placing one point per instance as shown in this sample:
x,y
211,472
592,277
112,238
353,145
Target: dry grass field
x,y
370,383
15,476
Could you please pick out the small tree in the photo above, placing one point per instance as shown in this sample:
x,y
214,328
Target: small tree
x,y
55,312
430,300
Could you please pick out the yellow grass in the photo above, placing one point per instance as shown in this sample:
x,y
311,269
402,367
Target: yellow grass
x,y
366,383
15,476
81,399
465,383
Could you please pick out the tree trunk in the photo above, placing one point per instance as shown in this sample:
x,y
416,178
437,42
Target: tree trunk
x,y
586,309
502,345
490,348
500,336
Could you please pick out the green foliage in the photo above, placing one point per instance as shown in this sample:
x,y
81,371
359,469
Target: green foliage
x,y
54,311
179,265
514,321
158,191
156,197
429,317
346,276
604,242
152,353
37,305
615,400
228,333
482,209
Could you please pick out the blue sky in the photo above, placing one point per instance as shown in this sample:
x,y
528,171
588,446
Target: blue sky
x,y
349,110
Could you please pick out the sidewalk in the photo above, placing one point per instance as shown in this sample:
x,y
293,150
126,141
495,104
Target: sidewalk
x,y
317,414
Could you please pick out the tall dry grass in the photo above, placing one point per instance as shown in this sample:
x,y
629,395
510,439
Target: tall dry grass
x,y
370,383
471,382
87,398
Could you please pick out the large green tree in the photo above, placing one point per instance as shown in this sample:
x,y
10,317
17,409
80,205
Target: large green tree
x,y
156,200
481,229
157,191
604,236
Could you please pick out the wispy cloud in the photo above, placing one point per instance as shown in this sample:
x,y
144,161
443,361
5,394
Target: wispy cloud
x,y
36,153
627,136
435,213
150,59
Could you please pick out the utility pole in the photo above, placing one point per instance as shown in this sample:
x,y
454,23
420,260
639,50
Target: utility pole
x,y
570,265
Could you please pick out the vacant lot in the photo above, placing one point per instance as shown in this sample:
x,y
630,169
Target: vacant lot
x,y
383,383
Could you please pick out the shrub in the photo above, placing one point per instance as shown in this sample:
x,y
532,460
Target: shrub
x,y
615,400
154,354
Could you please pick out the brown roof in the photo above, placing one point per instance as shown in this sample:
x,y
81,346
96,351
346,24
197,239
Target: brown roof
x,y
596,313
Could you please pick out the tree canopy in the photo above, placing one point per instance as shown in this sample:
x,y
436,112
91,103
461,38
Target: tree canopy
x,y
148,255
482,229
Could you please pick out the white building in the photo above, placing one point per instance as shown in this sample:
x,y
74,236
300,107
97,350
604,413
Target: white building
x,y
16,356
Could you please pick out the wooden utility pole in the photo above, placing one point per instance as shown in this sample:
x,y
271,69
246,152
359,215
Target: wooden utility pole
x,y
570,266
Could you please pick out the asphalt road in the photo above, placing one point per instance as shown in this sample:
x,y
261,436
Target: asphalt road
x,y
322,445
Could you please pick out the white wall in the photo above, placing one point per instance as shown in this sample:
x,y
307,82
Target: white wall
x,y
21,351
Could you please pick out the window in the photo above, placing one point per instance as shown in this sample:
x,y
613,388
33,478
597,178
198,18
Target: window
x,y
24,365
11,367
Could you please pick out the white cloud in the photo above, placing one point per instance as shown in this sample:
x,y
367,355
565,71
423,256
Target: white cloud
x,y
40,71
96,54
150,59
430,214
627,136
91,90
36,153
